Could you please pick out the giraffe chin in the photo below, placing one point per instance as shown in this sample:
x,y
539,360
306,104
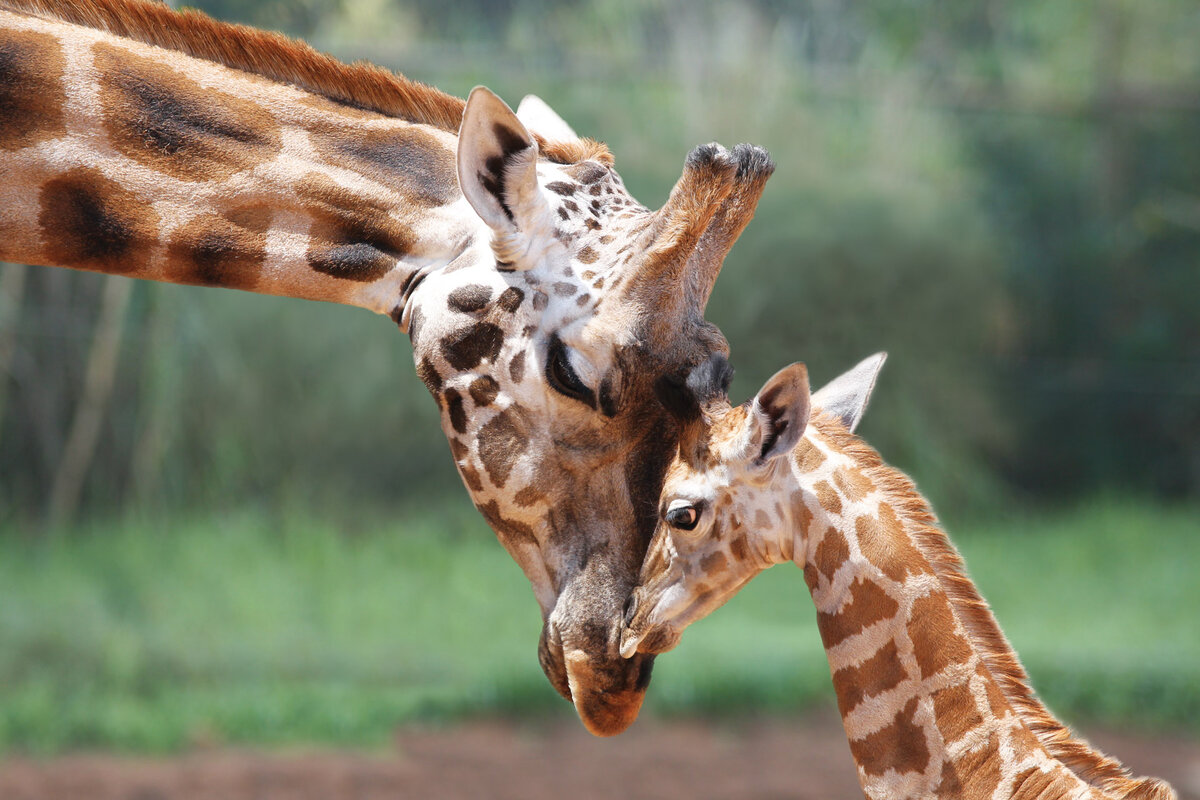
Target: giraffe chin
x,y
607,696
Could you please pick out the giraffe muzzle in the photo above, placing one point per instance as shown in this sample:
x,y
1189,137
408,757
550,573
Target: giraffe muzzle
x,y
607,694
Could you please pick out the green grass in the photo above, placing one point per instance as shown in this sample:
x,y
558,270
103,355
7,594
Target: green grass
x,y
244,627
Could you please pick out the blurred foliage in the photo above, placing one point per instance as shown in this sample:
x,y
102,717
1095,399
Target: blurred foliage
x,y
253,627
1005,196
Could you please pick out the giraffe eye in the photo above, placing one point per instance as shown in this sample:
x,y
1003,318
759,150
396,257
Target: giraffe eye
x,y
682,515
561,376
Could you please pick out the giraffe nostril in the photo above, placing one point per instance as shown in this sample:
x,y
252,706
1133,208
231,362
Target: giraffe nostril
x,y
630,607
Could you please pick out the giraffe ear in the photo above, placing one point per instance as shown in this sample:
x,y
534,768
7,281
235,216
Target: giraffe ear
x,y
497,165
779,413
542,120
846,396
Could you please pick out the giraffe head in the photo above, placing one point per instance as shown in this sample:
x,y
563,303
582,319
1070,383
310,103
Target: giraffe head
x,y
729,496
542,345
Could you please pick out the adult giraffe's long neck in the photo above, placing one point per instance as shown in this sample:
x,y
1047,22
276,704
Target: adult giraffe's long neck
x,y
934,701
139,141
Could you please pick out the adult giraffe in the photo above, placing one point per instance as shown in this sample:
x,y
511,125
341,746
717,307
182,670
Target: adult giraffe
x,y
541,300
934,701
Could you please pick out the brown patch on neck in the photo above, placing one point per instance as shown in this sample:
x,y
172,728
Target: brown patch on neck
x,y
1001,662
867,605
900,746
31,90
870,678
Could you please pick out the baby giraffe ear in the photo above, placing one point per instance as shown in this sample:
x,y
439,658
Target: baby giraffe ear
x,y
779,413
497,165
846,396
543,120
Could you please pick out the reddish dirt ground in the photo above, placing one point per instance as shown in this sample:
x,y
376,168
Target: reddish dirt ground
x,y
766,760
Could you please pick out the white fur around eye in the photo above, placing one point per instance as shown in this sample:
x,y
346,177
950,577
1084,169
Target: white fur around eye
x,y
678,503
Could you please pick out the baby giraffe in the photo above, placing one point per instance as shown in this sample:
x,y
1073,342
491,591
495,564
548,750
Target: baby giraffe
x,y
934,701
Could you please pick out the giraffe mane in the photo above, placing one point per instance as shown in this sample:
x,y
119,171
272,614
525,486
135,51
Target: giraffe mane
x,y
282,59
1090,765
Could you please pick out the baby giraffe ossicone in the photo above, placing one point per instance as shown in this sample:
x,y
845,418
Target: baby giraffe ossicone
x,y
934,701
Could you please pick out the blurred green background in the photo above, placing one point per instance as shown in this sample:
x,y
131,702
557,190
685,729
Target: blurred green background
x,y
233,518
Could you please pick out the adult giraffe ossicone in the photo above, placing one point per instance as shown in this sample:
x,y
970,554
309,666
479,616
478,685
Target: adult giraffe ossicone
x,y
542,301
934,701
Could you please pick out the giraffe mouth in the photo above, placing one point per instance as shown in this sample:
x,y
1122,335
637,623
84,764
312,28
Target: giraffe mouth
x,y
607,692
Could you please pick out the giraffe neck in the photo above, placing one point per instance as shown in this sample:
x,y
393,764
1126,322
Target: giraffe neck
x,y
123,157
932,697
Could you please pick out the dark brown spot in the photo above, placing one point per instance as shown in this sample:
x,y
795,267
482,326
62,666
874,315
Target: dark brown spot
x,y
935,643
469,299
808,456
429,376
868,604
884,542
484,390
811,578
828,498
31,89
587,255
540,299
976,773
854,485
870,678
900,746
500,445
562,187
586,171
583,300
454,407
403,158
468,346
516,367
564,289
215,250
470,477
738,548
459,450
90,222
832,551
1033,782
351,236
510,299
511,533
955,711
714,564
158,117
997,702
527,496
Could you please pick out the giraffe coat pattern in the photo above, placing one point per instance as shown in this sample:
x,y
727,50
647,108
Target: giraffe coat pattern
x,y
933,699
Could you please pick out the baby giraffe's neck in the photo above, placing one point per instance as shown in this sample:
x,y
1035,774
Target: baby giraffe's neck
x,y
932,697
